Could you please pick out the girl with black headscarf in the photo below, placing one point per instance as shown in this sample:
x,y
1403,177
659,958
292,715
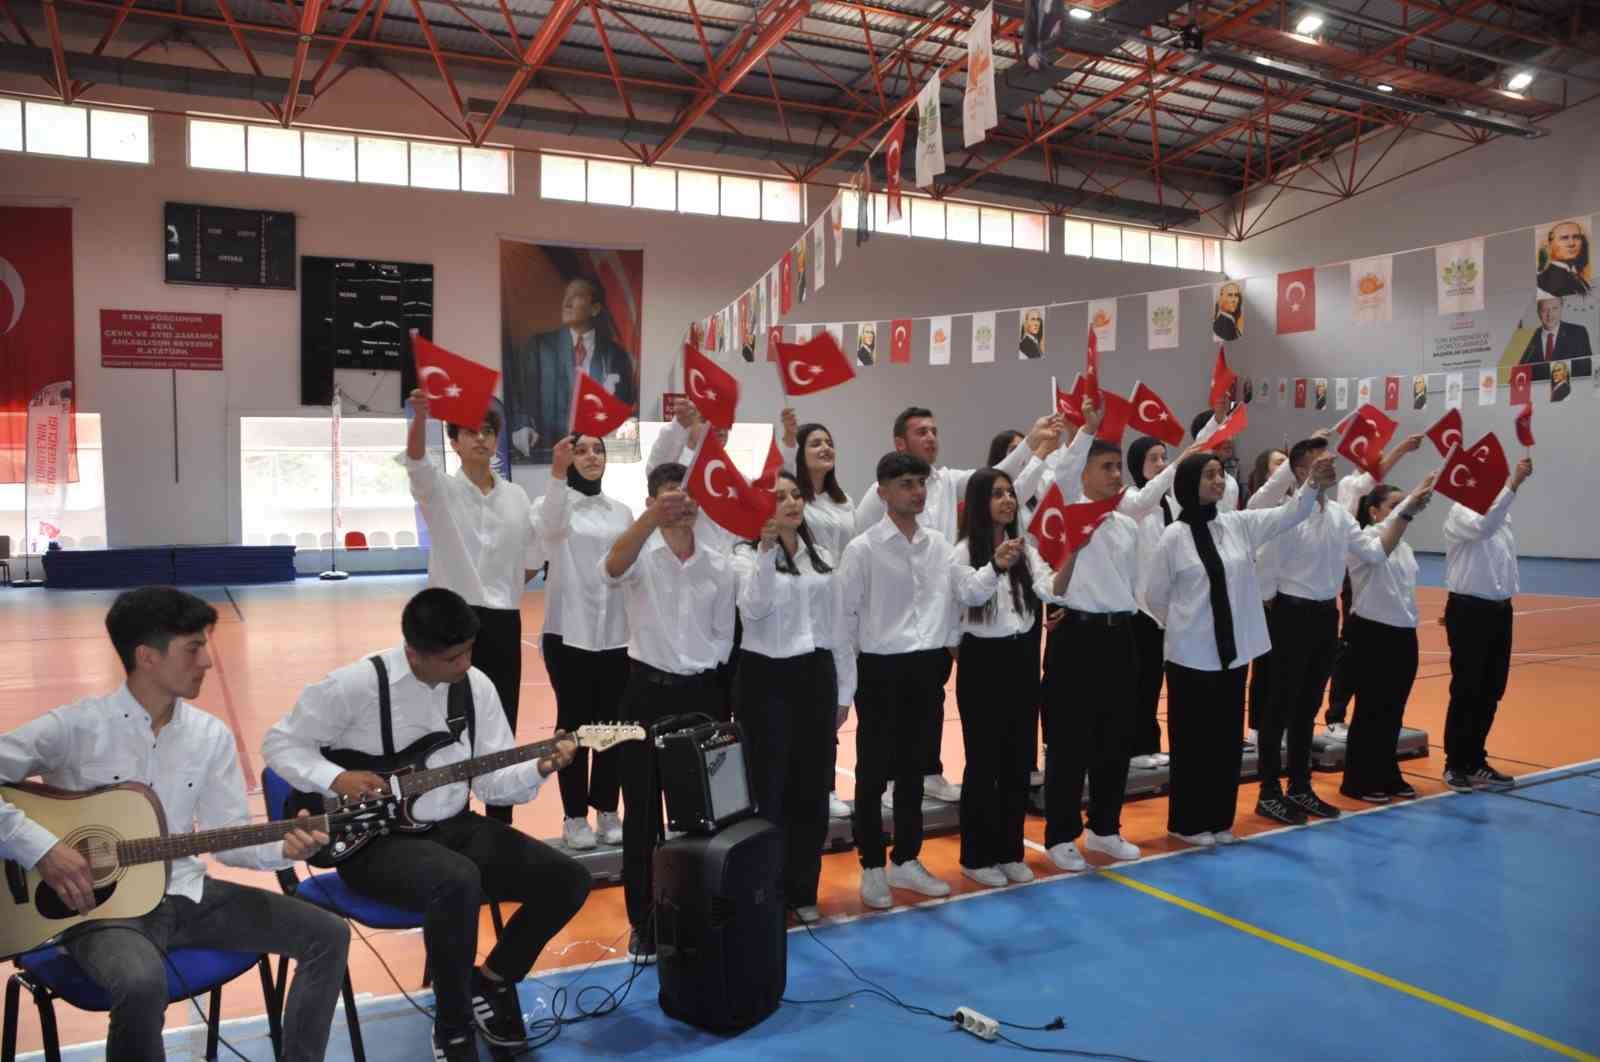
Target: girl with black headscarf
x,y
585,641
1201,586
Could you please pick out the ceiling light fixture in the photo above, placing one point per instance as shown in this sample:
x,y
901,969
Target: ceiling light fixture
x,y
1308,25
1385,88
1082,14
1520,81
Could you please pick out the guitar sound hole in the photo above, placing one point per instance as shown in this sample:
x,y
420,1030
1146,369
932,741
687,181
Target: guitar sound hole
x,y
98,846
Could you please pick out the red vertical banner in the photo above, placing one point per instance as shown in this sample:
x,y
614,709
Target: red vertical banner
x,y
786,283
36,318
891,166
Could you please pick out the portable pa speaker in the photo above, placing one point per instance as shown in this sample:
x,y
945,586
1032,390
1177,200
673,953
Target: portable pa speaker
x,y
722,952
704,777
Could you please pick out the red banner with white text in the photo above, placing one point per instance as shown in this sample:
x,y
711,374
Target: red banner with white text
x,y
36,326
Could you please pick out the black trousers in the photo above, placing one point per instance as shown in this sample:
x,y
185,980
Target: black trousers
x,y
1149,642
448,873
1479,632
893,693
786,709
1205,710
1260,684
1304,636
1095,724
651,696
1385,661
1342,683
933,722
997,693
497,652
588,687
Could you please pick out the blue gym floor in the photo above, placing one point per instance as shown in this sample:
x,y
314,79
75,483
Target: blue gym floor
x,y
1458,927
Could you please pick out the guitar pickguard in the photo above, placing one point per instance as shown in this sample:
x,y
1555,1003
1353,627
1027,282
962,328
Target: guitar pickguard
x,y
52,906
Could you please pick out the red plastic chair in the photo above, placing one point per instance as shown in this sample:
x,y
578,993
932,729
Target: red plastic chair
x,y
355,540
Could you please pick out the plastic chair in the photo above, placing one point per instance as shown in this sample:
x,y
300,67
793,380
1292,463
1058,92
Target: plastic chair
x,y
50,973
405,538
380,540
355,540
305,540
326,540
281,538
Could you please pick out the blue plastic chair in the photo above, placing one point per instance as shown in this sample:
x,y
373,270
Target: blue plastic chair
x,y
50,973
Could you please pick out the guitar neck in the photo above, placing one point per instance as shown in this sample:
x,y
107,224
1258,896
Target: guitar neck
x,y
419,782
178,845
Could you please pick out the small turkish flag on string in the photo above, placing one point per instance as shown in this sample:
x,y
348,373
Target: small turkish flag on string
x,y
812,366
786,283
1369,432
774,341
774,465
1084,517
1446,433
1391,393
1070,403
1525,425
1222,377
891,166
458,389
900,341
1116,413
712,389
1474,476
596,411
1238,421
722,492
1297,301
1091,371
1521,385
1300,393
1049,526
1152,416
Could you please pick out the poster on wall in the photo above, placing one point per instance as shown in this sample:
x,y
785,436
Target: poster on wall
x,y
1372,290
939,341
1161,312
1459,341
1554,329
1103,319
562,308
1030,335
36,324
1563,257
867,343
983,338
1458,272
1227,312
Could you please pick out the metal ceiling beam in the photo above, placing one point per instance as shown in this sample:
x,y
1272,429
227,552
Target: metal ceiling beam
x,y
58,52
539,49
310,13
159,77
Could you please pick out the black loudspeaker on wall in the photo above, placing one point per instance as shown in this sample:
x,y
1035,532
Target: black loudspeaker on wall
x,y
721,946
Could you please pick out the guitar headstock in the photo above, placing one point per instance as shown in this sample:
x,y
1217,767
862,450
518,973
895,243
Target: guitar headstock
x,y
602,736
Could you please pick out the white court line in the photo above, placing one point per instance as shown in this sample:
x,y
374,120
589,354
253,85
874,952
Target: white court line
x,y
1537,656
1562,608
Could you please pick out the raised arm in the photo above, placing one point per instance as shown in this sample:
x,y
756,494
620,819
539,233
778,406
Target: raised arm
x,y
552,518
1464,525
757,572
1263,525
422,473
1275,491
670,444
1142,501
1409,445
618,561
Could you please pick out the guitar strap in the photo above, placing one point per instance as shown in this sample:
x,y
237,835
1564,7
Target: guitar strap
x,y
459,711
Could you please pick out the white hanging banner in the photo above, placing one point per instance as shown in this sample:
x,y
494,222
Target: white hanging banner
x,y
836,222
1364,391
48,418
1161,319
1487,387
978,113
837,332
983,338
1103,319
1341,393
1454,383
930,134
1458,271
939,341
819,251
1372,290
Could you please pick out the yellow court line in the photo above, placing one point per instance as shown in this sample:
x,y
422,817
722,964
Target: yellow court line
x,y
1360,971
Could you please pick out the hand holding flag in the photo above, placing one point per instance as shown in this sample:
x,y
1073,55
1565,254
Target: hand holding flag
x,y
1367,432
1070,403
1238,422
1474,475
1091,371
1116,412
722,492
1525,425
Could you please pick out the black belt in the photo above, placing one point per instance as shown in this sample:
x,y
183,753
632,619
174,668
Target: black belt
x,y
1098,619
1307,603
1482,604
656,677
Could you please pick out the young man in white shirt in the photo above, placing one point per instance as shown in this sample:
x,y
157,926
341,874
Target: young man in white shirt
x,y
679,594
149,732
899,615
483,546
1480,568
384,704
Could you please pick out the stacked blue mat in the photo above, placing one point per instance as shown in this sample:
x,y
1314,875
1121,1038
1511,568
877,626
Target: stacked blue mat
x,y
103,569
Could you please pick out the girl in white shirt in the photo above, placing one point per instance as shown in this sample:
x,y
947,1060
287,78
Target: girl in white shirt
x,y
1382,631
997,684
585,642
792,682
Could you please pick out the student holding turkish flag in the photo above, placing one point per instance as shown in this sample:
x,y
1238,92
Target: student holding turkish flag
x,y
484,544
680,442
1203,427
1480,568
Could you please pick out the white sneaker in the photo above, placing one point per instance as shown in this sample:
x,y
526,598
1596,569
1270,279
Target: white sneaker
x,y
837,809
1110,844
875,889
1162,759
1224,837
1035,779
1016,873
934,785
577,835
914,877
1199,840
888,797
1251,736
1144,763
1066,856
993,877
808,914
1338,732
610,828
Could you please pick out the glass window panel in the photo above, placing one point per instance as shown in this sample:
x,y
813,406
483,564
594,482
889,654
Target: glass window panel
x,y
1078,237
1163,250
216,145
610,183
996,227
435,166
329,156
1190,254
698,192
1213,256
741,197
655,187
961,222
1108,242
1028,230
1136,245
562,177
486,170
10,125
880,214
780,200
382,161
119,136
56,130
273,150
927,218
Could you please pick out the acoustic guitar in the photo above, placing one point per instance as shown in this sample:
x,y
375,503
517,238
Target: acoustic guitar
x,y
121,831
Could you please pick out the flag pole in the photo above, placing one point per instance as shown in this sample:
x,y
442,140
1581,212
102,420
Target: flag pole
x,y
333,574
1053,393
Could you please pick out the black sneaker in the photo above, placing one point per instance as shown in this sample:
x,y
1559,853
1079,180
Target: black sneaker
x,y
642,947
1458,780
454,1045
1487,777
1403,791
1366,798
1273,806
1312,804
498,1011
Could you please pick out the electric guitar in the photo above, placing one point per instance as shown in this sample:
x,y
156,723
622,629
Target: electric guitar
x,y
121,830
408,777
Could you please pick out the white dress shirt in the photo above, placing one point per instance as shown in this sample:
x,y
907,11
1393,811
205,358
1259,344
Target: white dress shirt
x,y
898,593
672,445
1105,577
341,712
1480,552
787,615
832,524
680,612
1309,560
1353,488
947,487
977,587
1150,516
192,765
1178,592
481,544
578,531
1383,588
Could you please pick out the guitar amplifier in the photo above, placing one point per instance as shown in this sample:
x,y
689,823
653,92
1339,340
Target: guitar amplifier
x,y
704,777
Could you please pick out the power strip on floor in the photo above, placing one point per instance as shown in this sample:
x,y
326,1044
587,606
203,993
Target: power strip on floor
x,y
980,1025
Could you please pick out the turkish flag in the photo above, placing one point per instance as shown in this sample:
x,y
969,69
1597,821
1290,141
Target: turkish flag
x,y
1297,301
36,324
774,341
900,341
1391,393
774,465
1070,403
786,283
729,501
1448,431
458,389
1222,377
711,332
1115,413
596,411
1525,425
1300,393
1152,416
1084,517
1049,526
891,166
1522,385
1474,476
1238,421
1091,371
1369,432
712,389
812,366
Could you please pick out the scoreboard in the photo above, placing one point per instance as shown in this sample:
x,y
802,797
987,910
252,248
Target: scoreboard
x,y
229,247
